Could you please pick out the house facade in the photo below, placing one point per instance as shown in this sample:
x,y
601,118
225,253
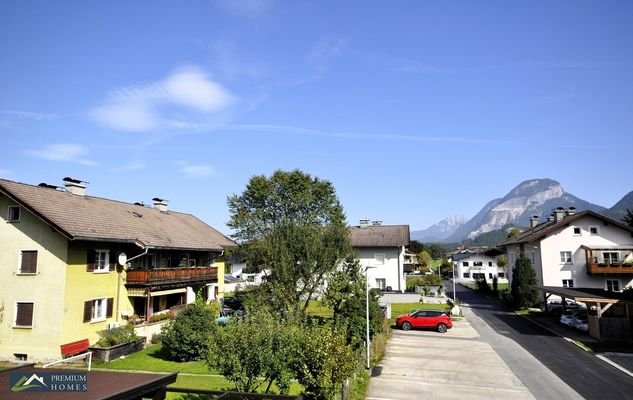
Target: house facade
x,y
576,250
472,265
76,265
381,251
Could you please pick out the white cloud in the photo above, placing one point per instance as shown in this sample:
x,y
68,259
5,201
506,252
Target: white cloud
x,y
30,115
324,53
147,107
71,153
195,170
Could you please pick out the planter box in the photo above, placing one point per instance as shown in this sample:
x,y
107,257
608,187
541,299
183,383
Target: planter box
x,y
108,354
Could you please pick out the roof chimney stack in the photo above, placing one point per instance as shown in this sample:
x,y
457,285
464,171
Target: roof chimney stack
x,y
571,211
550,217
376,222
534,221
75,186
559,214
160,204
364,223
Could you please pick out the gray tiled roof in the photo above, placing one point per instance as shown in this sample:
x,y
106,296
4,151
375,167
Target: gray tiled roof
x,y
379,236
94,218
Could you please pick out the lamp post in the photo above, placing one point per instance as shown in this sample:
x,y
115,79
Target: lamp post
x,y
367,343
454,295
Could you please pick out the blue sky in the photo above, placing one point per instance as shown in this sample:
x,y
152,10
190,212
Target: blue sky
x,y
415,110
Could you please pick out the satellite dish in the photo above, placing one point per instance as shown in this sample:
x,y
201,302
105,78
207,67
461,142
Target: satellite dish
x,y
122,259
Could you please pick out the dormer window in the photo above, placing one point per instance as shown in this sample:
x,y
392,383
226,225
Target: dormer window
x,y
13,214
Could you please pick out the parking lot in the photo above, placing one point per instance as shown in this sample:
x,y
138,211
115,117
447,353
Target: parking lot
x,y
426,364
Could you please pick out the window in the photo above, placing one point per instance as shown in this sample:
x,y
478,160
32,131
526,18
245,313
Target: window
x,y
478,263
593,230
501,275
98,309
99,261
576,231
490,275
192,262
380,258
381,283
13,214
23,315
465,263
466,274
565,257
613,285
568,283
478,276
490,263
28,262
611,257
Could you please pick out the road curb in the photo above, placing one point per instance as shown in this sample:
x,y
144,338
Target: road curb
x,y
599,356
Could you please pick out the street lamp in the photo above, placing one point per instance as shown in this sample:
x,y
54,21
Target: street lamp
x,y
367,313
454,303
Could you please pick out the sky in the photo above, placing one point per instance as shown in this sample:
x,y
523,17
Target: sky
x,y
414,110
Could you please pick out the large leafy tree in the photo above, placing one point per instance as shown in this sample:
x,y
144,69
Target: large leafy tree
x,y
523,277
293,225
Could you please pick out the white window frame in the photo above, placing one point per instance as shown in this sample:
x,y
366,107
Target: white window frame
x,y
19,270
566,282
565,260
532,257
15,315
608,259
101,269
579,230
617,281
379,258
99,309
597,230
12,207
380,281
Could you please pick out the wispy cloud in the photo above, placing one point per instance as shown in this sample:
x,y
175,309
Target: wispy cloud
x,y
195,170
147,107
324,53
281,129
131,166
71,153
30,115
246,8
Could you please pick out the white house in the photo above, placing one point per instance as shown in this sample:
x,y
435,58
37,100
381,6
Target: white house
x,y
381,248
576,250
473,265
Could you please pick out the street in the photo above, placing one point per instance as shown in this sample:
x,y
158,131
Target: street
x,y
589,376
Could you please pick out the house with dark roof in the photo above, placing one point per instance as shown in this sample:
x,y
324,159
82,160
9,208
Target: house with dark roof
x,y
576,249
381,249
475,264
74,265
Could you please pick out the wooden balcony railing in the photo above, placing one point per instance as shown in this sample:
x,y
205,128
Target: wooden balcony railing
x,y
171,275
623,269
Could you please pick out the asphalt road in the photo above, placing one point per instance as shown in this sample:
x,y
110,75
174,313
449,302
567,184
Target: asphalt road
x,y
585,373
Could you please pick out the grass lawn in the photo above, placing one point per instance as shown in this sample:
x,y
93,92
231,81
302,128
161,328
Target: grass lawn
x,y
151,359
317,308
214,383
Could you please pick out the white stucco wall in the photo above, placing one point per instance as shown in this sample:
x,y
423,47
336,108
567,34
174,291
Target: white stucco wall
x,y
391,269
490,271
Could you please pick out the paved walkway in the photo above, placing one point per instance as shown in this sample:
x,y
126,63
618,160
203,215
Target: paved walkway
x,y
454,365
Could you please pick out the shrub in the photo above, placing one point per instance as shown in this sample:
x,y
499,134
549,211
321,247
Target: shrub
x,y
119,335
523,277
186,337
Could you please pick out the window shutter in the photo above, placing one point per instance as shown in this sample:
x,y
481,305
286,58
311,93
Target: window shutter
x,y
90,263
24,315
113,260
87,311
29,262
110,307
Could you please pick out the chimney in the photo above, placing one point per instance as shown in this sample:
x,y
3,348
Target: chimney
x,y
75,186
559,214
534,221
571,211
550,218
160,204
376,223
364,223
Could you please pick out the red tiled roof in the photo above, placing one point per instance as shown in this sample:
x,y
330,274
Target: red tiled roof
x,y
379,235
94,218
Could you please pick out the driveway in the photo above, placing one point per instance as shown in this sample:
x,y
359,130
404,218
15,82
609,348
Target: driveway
x,y
454,365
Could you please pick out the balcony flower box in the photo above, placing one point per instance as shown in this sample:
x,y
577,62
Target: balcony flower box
x,y
108,354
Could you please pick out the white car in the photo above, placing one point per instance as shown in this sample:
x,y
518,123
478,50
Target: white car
x,y
581,321
568,317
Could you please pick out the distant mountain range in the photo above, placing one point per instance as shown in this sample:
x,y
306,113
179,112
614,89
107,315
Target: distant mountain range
x,y
532,197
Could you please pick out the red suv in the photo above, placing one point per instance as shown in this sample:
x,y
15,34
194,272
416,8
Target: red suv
x,y
437,319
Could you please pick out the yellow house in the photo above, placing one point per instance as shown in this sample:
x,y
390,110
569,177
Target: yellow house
x,y
72,265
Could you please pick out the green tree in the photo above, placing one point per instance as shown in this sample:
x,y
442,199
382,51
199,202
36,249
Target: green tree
x,y
424,258
523,277
628,218
435,250
294,225
186,337
445,267
512,232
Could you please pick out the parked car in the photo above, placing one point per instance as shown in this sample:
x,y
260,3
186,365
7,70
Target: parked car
x,y
436,319
581,321
556,306
568,317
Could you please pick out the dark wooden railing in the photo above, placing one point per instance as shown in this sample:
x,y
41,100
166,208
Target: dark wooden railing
x,y
166,275
610,269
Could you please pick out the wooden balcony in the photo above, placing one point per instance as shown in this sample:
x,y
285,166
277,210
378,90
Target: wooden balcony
x,y
162,276
610,269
